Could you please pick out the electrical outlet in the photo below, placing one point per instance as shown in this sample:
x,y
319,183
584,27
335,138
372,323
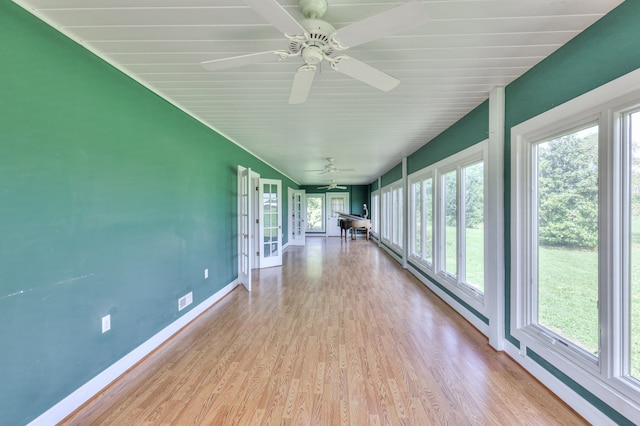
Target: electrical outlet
x,y
185,301
206,273
106,323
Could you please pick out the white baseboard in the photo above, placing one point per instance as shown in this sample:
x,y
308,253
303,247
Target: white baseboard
x,y
564,392
73,401
459,308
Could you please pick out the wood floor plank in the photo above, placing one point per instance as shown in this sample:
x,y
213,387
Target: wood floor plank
x,y
340,334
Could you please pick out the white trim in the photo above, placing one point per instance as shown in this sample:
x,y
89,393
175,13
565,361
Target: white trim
x,y
405,214
460,309
568,395
84,393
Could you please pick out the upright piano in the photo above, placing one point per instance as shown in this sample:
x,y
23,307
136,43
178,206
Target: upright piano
x,y
353,223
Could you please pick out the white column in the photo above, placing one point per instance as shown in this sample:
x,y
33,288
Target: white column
x,y
405,214
494,238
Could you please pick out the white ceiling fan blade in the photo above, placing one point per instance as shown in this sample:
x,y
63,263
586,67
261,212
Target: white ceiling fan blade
x,y
407,16
241,61
365,73
276,15
302,81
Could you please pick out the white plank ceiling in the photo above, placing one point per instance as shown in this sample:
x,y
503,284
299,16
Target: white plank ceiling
x,y
446,67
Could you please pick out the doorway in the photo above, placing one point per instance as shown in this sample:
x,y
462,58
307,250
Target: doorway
x,y
337,202
270,219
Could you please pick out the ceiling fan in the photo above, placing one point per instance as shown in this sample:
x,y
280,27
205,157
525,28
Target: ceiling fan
x,y
332,185
316,40
330,168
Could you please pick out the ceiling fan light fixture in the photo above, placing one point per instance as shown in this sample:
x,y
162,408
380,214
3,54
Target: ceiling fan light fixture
x,y
312,55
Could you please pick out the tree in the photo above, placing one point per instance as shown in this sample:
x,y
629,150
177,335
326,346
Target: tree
x,y
568,191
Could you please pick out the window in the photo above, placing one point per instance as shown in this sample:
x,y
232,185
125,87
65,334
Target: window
x,y
575,239
632,293
450,244
375,212
421,220
315,212
392,215
385,214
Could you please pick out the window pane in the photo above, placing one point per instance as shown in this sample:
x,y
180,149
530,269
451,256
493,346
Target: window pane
x,y
315,212
567,230
394,217
428,220
337,206
400,218
375,214
634,286
416,215
451,222
474,225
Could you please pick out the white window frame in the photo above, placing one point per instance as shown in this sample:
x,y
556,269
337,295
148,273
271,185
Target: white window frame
x,y
605,376
455,283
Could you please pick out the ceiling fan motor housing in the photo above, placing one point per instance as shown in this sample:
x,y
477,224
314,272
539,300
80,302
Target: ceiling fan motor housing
x,y
319,32
313,8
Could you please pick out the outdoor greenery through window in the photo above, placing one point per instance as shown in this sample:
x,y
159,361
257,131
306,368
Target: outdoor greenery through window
x,y
473,178
450,203
416,219
315,212
567,230
428,220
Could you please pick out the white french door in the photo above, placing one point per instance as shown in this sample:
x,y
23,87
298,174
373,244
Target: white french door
x,y
337,202
245,221
297,216
270,247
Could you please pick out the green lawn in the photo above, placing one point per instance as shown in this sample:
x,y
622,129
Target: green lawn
x,y
475,255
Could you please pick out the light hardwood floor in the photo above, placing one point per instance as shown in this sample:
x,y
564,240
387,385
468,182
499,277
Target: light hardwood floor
x,y
339,334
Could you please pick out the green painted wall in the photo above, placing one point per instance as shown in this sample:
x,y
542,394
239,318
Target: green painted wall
x,y
111,201
468,131
393,175
358,195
